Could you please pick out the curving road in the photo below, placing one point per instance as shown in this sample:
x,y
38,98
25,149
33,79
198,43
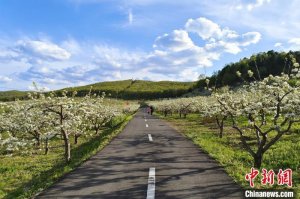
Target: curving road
x,y
149,159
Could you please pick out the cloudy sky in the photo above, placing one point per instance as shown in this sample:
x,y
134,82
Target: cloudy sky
x,y
62,43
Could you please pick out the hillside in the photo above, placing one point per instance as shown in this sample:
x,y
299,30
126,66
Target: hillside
x,y
12,95
262,65
125,89
137,89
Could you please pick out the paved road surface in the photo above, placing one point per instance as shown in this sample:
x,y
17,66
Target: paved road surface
x,y
121,169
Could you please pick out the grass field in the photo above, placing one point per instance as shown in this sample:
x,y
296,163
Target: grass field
x,y
22,176
229,153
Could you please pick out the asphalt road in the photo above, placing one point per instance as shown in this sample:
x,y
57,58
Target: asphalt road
x,y
121,169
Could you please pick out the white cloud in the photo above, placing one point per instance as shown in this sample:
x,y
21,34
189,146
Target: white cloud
x,y
176,41
112,57
278,44
275,20
257,4
176,51
117,74
209,30
4,79
130,17
295,41
219,46
221,39
8,55
43,50
251,6
292,44
250,38
71,46
204,28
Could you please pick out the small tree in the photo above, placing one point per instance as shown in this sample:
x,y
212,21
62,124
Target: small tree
x,y
63,109
211,108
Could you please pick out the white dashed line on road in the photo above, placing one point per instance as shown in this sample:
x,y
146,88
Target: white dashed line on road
x,y
147,125
151,184
145,120
150,137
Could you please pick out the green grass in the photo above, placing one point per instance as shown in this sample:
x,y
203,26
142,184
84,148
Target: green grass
x,y
229,152
22,176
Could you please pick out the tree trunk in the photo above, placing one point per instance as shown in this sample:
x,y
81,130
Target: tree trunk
x,y
65,136
37,137
258,73
97,128
258,160
38,141
221,126
221,131
67,146
46,146
76,138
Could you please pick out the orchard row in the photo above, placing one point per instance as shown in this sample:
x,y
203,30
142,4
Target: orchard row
x,y
270,107
26,125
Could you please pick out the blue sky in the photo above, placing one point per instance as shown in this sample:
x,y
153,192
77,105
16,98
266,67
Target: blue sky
x,y
62,43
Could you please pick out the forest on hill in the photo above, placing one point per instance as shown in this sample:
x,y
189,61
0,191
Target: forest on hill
x,y
262,65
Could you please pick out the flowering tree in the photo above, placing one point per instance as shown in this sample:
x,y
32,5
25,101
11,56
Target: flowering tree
x,y
62,110
24,124
211,108
184,106
166,107
98,115
272,98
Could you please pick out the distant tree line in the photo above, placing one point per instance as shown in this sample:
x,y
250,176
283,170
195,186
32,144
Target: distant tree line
x,y
261,64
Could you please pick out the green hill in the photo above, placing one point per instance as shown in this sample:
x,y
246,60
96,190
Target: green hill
x,y
12,95
137,89
125,89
